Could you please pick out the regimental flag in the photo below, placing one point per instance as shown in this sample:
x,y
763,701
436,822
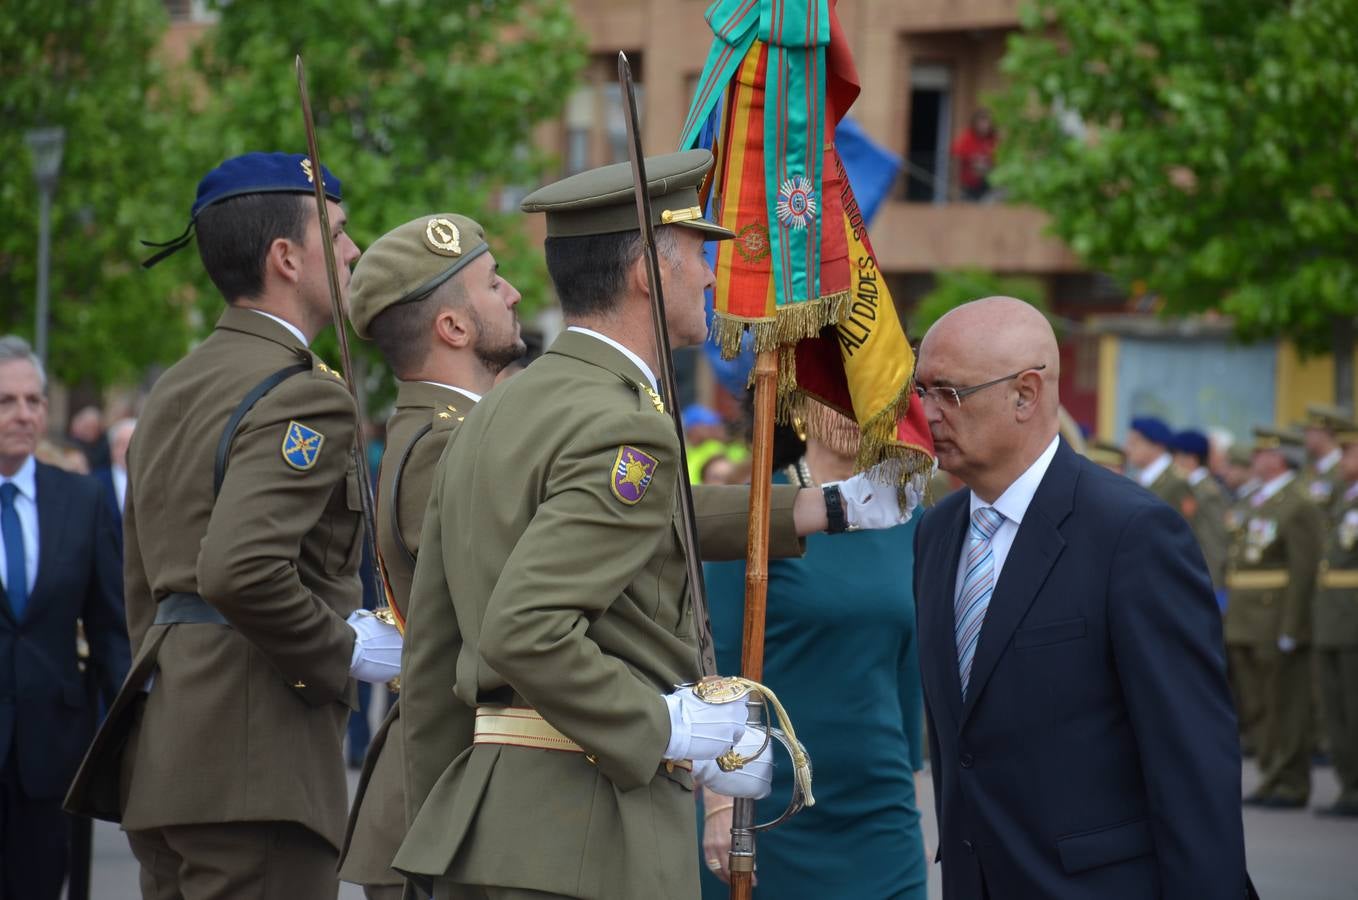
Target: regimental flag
x,y
801,274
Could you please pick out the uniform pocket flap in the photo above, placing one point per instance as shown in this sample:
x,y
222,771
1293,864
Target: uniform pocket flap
x,y
1115,843
1052,633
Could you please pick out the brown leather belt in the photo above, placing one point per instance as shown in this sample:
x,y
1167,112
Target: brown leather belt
x,y
522,726
1260,580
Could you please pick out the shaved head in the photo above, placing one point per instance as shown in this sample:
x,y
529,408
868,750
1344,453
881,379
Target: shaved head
x,y
995,433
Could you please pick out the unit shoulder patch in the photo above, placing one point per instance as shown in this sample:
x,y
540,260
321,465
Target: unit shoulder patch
x,y
301,446
632,473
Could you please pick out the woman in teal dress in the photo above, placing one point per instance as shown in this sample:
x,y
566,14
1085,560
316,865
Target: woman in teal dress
x,y
840,653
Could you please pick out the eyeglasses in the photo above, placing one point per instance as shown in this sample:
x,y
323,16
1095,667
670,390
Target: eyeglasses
x,y
945,395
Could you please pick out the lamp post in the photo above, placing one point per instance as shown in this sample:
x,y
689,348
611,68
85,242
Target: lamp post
x,y
46,145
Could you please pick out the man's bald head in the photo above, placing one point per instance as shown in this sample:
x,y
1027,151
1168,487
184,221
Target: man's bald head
x,y
1007,348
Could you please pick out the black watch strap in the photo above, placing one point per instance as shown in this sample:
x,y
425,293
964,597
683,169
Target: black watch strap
x,y
834,509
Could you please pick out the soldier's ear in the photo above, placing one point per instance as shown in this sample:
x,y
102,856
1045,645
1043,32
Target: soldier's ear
x,y
452,327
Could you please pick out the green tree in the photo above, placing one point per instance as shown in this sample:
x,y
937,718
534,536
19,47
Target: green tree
x,y
91,68
1206,149
952,289
419,106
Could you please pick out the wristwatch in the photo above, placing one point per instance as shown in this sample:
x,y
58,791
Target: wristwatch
x,y
834,509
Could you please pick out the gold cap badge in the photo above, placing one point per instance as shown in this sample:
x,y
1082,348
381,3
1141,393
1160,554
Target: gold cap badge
x,y
443,237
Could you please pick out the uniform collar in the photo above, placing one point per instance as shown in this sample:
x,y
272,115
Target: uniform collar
x,y
1197,475
636,360
604,352
1328,461
262,324
26,479
1153,471
1269,488
430,394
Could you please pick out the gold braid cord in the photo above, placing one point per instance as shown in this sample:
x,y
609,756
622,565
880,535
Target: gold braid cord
x,y
729,689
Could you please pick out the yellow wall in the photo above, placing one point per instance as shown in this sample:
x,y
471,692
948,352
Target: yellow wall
x,y
1108,384
1301,382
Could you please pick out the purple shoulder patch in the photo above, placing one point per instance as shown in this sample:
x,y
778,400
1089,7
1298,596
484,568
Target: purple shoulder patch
x,y
632,473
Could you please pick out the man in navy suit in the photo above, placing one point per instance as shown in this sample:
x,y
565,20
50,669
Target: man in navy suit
x,y
1082,738
112,478
58,563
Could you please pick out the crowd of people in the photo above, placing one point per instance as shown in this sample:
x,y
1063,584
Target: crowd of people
x,y
1053,634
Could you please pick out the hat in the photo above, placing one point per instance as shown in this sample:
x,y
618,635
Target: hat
x,y
696,415
1153,430
409,262
251,173
1239,455
1191,441
1327,417
1288,443
603,201
1346,432
1106,454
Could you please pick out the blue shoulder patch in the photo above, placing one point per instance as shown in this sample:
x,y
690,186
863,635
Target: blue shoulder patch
x,y
301,446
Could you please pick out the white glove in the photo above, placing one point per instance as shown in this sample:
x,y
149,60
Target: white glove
x,y
871,503
1286,643
701,730
377,648
754,780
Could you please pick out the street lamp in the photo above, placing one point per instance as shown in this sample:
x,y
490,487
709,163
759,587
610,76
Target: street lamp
x,y
46,145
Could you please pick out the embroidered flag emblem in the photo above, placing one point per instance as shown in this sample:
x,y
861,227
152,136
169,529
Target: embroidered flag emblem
x,y
301,446
632,474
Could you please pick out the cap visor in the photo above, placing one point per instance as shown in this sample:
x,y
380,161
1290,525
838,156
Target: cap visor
x,y
712,231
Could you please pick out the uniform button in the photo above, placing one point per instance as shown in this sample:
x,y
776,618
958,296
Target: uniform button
x,y
967,760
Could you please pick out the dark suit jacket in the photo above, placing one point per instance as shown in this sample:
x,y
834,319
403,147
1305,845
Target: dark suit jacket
x,y
47,717
104,475
1096,755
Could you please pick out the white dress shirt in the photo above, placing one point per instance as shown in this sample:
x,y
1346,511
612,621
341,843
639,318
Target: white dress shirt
x,y
1328,461
1146,477
475,398
1013,505
119,485
297,332
645,369
1197,475
1269,488
26,505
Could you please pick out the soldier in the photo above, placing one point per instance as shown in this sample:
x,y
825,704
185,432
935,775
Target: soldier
x,y
548,751
1271,578
1147,451
1108,455
1322,451
221,754
430,295
1336,629
1206,506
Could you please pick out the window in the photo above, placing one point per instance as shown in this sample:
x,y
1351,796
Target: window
x,y
595,121
929,131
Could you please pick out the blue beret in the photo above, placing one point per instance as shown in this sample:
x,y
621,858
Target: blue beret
x,y
1153,430
250,173
1190,441
696,415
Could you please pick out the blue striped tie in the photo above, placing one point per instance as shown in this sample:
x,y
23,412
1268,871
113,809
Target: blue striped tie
x,y
977,586
16,567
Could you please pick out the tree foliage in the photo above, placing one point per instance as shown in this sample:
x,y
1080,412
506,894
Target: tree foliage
x,y
90,68
1206,149
952,289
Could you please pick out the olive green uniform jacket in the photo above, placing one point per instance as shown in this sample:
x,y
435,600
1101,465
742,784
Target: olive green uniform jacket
x,y
1171,487
1207,511
557,589
1272,571
1336,611
243,722
425,418
1325,487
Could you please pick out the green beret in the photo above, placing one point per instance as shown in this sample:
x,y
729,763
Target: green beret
x,y
603,201
409,262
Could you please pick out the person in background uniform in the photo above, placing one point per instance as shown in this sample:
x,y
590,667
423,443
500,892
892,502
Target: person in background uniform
x,y
1108,455
1206,507
430,295
222,755
1081,736
58,563
548,751
1238,475
1147,450
1322,451
1271,579
113,477
1336,628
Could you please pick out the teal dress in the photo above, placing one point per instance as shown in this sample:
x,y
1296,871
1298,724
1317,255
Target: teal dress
x,y
840,653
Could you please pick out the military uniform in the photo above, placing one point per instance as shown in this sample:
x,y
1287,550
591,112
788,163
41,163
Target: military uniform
x,y
1321,477
398,268
1271,579
550,595
1207,514
221,755
1336,641
1171,487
